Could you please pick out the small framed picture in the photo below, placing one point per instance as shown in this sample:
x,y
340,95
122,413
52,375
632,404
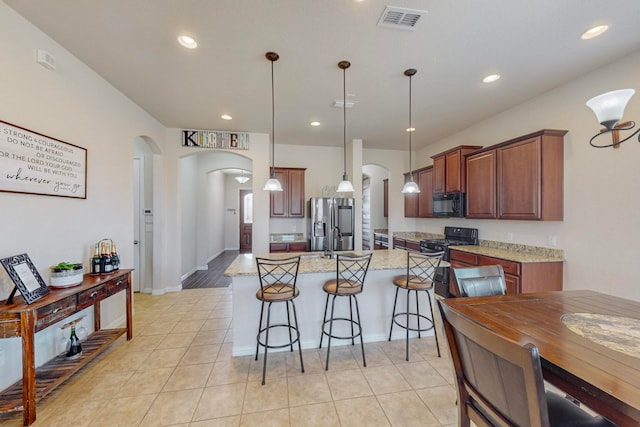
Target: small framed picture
x,y
26,278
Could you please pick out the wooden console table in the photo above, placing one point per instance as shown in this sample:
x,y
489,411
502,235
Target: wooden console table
x,y
21,320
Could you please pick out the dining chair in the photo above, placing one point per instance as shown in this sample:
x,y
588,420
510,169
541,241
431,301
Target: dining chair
x,y
277,284
351,271
500,382
480,281
421,269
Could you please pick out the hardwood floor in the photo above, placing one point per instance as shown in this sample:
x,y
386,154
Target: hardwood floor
x,y
214,276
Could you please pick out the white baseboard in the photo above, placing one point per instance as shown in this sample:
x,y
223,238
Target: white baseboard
x,y
188,273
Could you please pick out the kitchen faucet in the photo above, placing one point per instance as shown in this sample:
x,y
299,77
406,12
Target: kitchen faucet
x,y
329,253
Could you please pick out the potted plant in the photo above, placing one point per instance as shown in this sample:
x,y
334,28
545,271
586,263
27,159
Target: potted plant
x,y
66,274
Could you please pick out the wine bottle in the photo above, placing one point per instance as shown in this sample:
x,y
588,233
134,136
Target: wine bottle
x,y
115,258
108,265
75,348
95,260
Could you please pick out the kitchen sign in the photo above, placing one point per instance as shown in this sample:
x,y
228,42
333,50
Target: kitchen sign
x,y
38,164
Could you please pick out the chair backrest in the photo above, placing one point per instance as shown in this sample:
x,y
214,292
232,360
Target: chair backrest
x,y
480,281
278,271
421,266
499,381
351,270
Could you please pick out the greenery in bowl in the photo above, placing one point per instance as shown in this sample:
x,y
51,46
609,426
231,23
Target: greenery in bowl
x,y
64,266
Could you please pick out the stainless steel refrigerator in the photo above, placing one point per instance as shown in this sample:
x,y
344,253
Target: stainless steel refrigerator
x,y
331,223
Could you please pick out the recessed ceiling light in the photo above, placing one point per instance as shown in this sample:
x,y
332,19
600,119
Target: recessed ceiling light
x,y
188,42
410,129
594,32
491,78
315,123
226,117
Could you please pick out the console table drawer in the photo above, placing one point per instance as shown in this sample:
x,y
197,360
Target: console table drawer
x,y
9,325
55,312
91,296
117,285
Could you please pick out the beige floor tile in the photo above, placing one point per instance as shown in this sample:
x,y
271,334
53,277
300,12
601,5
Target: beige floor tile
x,y
442,403
340,357
421,375
218,422
348,384
216,323
73,413
307,389
197,313
385,379
209,337
101,387
188,376
193,325
200,354
225,353
374,354
172,408
272,395
123,412
143,343
220,401
158,328
164,358
176,340
182,307
218,313
316,415
276,418
406,409
123,360
149,381
364,411
444,366
276,366
234,371
312,362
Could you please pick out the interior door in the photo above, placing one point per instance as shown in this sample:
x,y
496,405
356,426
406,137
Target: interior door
x,y
138,167
246,220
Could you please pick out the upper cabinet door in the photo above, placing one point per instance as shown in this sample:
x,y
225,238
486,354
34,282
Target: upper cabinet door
x,y
425,198
279,199
452,172
296,193
439,167
385,195
481,185
519,179
449,169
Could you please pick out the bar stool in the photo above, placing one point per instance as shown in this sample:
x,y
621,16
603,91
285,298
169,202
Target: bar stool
x,y
421,268
277,284
349,282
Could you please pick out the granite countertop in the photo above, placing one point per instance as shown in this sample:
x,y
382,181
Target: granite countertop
x,y
287,238
530,255
312,262
416,236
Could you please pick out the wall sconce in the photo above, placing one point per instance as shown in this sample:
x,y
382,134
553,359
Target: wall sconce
x,y
609,108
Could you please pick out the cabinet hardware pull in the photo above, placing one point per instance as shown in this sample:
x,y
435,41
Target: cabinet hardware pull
x,y
57,310
93,294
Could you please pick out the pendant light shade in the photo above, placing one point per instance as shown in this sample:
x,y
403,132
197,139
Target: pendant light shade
x,y
345,185
272,183
410,187
242,179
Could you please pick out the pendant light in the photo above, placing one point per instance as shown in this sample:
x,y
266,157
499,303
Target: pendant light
x,y
345,185
242,179
410,187
272,184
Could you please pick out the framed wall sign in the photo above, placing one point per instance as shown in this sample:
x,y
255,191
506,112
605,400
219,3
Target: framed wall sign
x,y
25,277
38,164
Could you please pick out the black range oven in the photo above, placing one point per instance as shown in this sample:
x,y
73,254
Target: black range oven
x,y
453,236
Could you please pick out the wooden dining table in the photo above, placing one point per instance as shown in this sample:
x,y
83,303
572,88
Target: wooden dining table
x,y
604,376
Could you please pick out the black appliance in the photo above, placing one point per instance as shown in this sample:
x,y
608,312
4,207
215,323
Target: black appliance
x,y
453,236
449,205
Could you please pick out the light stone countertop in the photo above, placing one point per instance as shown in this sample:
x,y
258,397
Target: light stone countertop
x,y
416,236
312,262
511,255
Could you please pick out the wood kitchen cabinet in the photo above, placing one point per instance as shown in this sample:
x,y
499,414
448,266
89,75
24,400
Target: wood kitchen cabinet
x,y
287,247
420,205
449,169
408,245
289,203
385,196
380,241
520,277
518,179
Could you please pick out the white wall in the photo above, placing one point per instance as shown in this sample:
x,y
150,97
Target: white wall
x,y
377,174
600,230
189,198
75,105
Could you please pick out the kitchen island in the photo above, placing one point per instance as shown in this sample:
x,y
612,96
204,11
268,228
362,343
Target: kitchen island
x,y
376,300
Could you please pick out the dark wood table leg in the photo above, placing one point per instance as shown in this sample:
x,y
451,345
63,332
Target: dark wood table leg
x,y
129,309
27,331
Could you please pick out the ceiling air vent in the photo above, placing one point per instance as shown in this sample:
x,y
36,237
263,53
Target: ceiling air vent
x,y
400,18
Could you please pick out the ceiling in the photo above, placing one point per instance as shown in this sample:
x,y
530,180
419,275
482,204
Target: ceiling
x,y
534,45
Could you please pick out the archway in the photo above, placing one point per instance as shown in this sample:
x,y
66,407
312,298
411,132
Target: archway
x,y
373,199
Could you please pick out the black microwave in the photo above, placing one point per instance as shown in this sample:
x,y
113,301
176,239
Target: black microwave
x,y
449,205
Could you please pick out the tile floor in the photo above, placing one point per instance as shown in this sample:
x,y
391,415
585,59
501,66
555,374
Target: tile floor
x,y
178,371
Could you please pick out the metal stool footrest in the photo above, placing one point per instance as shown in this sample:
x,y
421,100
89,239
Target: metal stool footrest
x,y
413,316
287,344
349,337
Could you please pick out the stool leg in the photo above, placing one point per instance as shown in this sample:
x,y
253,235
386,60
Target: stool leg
x,y
393,314
433,322
266,344
418,314
289,323
333,306
364,361
407,325
295,318
351,320
324,319
259,328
